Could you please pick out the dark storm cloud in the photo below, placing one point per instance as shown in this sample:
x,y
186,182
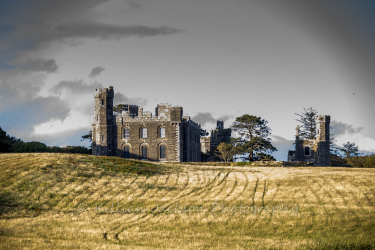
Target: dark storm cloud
x,y
27,25
96,71
339,128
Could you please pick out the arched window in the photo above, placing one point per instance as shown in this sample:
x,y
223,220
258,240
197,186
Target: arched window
x,y
162,152
307,150
144,152
162,132
126,152
144,133
126,133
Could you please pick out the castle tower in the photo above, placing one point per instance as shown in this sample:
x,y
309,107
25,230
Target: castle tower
x,y
322,140
103,123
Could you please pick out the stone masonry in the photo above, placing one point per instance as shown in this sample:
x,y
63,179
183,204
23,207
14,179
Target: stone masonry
x,y
315,151
136,134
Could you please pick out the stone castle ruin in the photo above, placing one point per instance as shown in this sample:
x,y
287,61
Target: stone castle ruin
x,y
136,134
315,151
217,136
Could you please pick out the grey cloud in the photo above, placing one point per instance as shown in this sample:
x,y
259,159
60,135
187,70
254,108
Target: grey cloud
x,y
122,99
40,64
29,25
339,128
204,118
108,31
225,118
75,87
96,71
133,6
207,117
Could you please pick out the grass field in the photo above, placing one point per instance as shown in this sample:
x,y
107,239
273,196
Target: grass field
x,y
61,201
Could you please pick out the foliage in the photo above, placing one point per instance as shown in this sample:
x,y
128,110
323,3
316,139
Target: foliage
x,y
203,132
308,128
226,151
87,136
365,161
265,157
4,142
120,107
25,147
349,149
253,138
337,161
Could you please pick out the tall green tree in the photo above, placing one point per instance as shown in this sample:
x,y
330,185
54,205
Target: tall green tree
x,y
308,125
254,136
349,149
4,142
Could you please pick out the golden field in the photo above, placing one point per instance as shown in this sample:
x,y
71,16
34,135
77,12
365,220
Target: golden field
x,y
62,201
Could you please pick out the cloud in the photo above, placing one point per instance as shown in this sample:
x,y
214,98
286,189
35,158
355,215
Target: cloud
x,y
40,64
27,25
96,71
206,117
283,146
340,128
122,99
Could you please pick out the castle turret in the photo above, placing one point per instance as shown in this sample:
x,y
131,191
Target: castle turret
x,y
103,122
322,140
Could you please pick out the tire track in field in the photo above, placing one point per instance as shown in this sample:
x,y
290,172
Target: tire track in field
x,y
147,217
135,220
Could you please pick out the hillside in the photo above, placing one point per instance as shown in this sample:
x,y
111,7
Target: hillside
x,y
77,201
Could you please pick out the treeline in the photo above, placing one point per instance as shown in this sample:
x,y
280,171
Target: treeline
x,y
11,144
363,161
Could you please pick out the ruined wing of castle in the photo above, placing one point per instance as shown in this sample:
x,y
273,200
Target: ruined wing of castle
x,y
167,136
316,151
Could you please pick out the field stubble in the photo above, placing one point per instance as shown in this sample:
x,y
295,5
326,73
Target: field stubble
x,y
76,201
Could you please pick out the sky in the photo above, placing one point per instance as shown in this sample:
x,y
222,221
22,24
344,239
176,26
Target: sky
x,y
218,59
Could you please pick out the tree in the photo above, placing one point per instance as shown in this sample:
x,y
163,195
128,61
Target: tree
x,y
349,149
203,132
4,142
253,138
120,107
308,128
225,151
87,136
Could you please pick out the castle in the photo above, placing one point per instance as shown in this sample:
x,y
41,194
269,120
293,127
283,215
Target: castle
x,y
168,136
218,135
316,151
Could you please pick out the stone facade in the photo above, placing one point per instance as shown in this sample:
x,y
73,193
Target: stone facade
x,y
217,136
315,151
136,134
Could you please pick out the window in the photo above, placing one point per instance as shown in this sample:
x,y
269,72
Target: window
x,y
97,117
144,152
307,150
162,152
162,132
102,102
126,133
126,152
144,133
102,138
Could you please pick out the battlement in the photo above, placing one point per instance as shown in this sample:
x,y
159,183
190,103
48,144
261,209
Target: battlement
x,y
105,92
